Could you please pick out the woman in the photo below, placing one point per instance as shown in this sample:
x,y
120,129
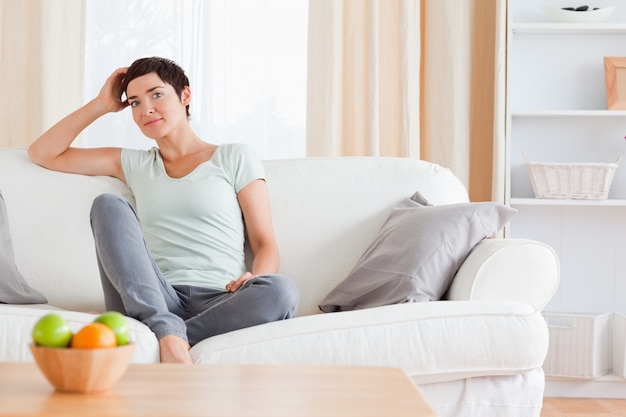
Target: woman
x,y
180,269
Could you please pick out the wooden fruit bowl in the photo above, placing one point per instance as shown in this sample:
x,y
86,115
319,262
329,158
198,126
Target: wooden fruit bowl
x,y
83,370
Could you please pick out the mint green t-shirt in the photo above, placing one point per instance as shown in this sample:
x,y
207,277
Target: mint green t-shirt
x,y
193,225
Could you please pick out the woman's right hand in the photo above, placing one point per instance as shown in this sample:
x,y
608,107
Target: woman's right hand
x,y
110,96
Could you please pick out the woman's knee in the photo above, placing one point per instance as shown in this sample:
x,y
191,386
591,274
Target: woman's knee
x,y
109,205
108,201
285,293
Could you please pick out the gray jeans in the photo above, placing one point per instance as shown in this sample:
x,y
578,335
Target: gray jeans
x,y
134,285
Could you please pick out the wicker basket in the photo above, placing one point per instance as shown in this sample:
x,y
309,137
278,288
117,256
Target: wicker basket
x,y
580,181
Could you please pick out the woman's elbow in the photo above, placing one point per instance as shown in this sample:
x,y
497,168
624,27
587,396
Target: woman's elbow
x,y
34,155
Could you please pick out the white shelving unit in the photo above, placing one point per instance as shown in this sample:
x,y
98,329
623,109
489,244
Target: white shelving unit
x,y
557,112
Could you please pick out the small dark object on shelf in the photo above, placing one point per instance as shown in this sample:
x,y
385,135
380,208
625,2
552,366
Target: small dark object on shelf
x,y
579,8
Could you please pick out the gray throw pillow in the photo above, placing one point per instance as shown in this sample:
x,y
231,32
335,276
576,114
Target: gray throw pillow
x,y
416,253
13,287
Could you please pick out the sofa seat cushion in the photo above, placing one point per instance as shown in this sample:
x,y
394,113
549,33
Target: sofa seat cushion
x,y
450,340
16,324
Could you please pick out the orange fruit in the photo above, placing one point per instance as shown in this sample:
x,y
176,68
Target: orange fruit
x,y
94,335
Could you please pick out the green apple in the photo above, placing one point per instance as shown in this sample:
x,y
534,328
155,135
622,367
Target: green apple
x,y
118,323
52,330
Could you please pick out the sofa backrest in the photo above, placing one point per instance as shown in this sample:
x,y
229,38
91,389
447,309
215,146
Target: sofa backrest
x,y
49,222
326,211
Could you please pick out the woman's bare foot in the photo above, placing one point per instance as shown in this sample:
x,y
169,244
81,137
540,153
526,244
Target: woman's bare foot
x,y
174,349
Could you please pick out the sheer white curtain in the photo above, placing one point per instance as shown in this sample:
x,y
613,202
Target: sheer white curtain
x,y
246,61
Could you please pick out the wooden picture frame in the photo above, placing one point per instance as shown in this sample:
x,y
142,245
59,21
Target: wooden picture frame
x,y
615,78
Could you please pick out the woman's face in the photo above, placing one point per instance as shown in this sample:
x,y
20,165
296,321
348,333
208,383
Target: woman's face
x,y
156,107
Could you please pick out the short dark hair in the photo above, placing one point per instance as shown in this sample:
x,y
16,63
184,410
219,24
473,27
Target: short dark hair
x,y
166,69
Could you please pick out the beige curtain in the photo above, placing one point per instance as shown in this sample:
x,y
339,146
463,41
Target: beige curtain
x,y
420,79
40,66
363,78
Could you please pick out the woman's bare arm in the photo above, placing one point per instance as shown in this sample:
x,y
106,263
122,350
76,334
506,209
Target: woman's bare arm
x,y
52,150
255,205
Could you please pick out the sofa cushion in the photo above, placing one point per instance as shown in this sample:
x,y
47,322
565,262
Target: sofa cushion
x,y
49,217
416,253
13,287
433,342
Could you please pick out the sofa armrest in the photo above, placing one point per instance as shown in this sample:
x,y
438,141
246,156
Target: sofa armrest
x,y
508,269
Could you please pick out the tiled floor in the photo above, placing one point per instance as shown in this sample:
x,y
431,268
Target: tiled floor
x,y
579,407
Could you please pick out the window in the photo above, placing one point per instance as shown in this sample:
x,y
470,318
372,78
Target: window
x,y
246,61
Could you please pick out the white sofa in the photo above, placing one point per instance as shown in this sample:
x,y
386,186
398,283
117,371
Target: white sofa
x,y
479,353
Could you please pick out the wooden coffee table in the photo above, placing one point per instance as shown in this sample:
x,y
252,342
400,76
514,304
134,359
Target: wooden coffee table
x,y
221,390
